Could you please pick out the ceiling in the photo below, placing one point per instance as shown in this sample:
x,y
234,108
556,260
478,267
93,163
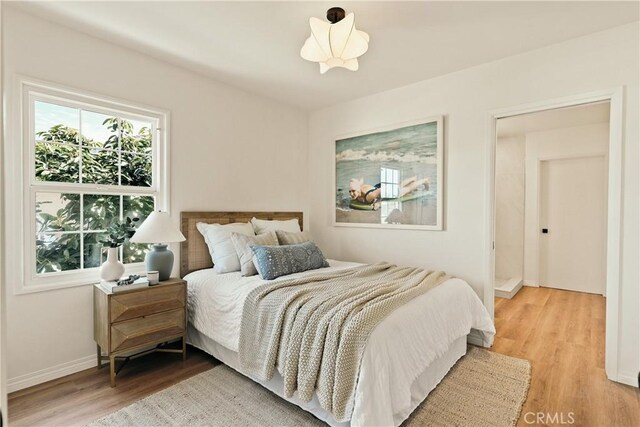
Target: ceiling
x,y
255,45
597,112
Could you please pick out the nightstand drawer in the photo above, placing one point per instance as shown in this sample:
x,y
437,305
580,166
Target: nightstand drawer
x,y
147,329
152,300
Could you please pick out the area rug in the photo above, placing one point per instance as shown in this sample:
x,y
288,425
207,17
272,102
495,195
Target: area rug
x,y
482,389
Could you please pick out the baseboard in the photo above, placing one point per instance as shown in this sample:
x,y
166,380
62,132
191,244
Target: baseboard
x,y
476,337
631,380
530,283
509,289
48,374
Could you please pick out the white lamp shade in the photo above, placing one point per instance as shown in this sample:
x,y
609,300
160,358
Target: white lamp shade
x,y
157,228
335,45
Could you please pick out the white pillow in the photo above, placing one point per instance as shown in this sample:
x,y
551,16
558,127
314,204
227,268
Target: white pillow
x,y
218,239
262,225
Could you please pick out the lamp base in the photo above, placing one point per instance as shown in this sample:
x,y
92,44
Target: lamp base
x,y
160,259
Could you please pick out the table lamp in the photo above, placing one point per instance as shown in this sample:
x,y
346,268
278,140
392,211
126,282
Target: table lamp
x,y
159,230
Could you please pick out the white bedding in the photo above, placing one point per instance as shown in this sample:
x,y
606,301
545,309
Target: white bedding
x,y
397,352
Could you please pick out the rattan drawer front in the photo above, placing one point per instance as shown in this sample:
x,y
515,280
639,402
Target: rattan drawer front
x,y
152,300
147,329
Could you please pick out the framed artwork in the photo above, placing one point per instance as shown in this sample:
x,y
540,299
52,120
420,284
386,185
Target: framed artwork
x,y
391,177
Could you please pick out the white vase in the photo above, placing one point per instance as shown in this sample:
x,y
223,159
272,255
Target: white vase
x,y
111,269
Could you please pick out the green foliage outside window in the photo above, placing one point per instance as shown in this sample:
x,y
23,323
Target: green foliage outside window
x,y
63,219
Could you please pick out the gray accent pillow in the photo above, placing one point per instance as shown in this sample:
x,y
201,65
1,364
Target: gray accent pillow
x,y
276,261
243,244
293,238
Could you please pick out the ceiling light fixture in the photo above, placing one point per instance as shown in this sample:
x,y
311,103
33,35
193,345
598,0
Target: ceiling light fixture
x,y
336,43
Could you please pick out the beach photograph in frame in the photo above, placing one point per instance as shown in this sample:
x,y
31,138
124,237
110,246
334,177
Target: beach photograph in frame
x,y
391,177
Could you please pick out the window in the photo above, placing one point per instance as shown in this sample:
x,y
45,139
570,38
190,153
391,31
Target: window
x,y
390,191
91,163
390,182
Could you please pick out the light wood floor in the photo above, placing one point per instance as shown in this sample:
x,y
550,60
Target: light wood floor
x,y
560,332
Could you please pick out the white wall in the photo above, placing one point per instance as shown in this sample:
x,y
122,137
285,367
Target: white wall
x,y
570,142
595,62
230,150
510,179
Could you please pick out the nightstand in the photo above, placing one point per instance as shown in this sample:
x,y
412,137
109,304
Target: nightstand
x,y
127,323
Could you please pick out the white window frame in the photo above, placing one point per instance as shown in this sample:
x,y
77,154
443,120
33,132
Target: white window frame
x,y
21,192
390,188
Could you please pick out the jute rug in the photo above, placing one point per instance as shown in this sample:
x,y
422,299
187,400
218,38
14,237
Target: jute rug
x,y
482,389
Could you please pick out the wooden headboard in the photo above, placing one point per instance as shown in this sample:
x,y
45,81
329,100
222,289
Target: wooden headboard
x,y
194,254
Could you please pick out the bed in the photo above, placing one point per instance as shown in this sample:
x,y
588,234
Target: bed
x,y
405,357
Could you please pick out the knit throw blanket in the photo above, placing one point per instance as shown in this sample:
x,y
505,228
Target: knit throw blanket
x,y
314,328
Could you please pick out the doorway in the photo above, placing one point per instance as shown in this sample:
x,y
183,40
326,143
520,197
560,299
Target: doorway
x,y
551,173
614,99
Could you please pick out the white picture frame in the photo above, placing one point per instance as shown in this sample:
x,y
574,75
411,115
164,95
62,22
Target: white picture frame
x,y
409,157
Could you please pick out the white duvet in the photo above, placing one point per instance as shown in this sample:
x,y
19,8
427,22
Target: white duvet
x,y
397,352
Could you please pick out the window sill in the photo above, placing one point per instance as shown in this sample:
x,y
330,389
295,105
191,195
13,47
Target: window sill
x,y
70,280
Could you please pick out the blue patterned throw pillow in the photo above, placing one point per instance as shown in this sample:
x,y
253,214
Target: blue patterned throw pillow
x,y
276,261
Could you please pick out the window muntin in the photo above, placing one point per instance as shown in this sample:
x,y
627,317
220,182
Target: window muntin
x,y
90,166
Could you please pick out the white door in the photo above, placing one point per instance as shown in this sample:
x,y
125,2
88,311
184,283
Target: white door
x,y
573,224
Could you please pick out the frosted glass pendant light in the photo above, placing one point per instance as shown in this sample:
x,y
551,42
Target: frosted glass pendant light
x,y
336,43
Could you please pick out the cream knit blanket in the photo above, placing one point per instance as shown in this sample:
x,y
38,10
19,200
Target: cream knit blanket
x,y
315,328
